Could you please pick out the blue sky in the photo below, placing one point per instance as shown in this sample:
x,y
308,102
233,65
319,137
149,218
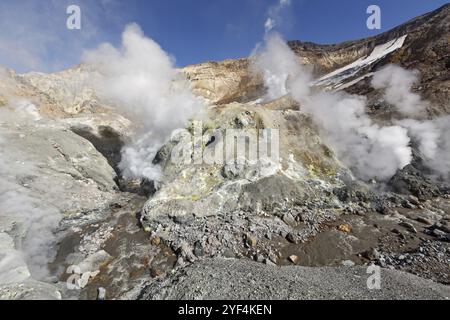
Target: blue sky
x,y
33,34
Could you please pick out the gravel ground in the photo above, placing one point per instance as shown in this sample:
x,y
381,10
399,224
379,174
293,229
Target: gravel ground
x,y
243,279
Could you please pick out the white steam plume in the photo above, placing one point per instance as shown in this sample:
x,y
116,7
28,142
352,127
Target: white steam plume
x,y
426,133
441,162
274,14
280,68
140,80
432,136
370,150
397,83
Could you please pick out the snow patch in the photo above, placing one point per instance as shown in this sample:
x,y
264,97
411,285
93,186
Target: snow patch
x,y
337,78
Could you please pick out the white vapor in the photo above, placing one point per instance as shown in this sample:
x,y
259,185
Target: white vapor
x,y
370,150
432,136
426,133
433,139
140,80
397,83
279,67
34,222
441,162
274,14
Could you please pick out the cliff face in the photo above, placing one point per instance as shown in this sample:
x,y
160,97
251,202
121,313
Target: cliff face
x,y
426,49
427,37
226,81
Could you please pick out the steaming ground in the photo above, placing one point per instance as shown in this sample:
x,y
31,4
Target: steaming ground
x,y
50,180
142,84
35,220
397,85
140,80
371,150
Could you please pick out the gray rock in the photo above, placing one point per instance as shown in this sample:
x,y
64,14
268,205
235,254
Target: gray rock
x,y
289,219
414,200
229,278
348,263
424,220
292,238
439,233
61,180
408,205
101,293
443,227
371,254
411,180
259,258
185,251
29,290
273,257
198,249
408,226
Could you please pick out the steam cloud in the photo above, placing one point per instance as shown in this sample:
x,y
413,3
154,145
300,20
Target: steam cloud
x,y
441,161
433,139
397,83
431,135
34,222
274,14
140,80
370,150
280,68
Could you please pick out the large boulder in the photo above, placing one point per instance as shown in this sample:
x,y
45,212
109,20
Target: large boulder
x,y
215,203
305,167
409,180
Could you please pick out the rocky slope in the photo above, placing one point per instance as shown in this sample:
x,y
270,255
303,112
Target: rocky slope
x,y
425,49
202,280
54,181
307,209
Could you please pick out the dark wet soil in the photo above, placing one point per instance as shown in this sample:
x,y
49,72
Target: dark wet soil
x,y
330,247
138,257
135,255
